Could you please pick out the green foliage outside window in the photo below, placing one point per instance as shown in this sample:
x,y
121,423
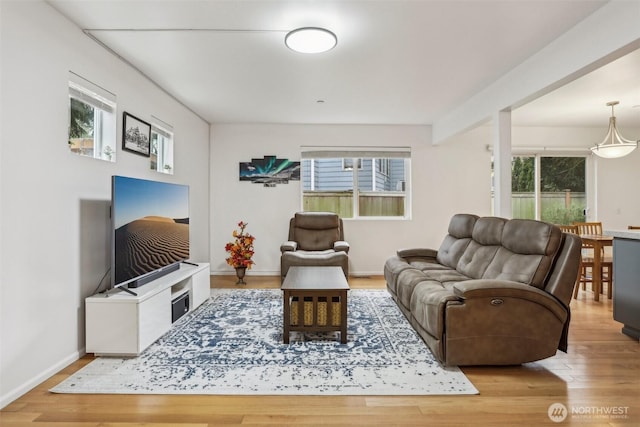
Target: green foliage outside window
x,y
561,190
522,175
562,173
82,116
562,215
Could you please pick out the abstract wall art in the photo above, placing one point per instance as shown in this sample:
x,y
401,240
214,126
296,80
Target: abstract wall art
x,y
270,171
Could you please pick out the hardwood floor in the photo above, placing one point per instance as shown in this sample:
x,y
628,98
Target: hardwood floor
x,y
599,375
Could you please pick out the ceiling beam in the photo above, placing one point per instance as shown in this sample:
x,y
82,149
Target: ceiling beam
x,y
608,34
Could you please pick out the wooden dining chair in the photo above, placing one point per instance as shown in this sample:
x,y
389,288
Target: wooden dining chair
x,y
586,265
589,227
573,229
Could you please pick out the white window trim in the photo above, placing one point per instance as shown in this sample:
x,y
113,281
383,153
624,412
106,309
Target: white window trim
x,y
165,130
103,103
360,152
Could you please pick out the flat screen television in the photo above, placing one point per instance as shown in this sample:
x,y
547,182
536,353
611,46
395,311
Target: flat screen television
x,y
150,230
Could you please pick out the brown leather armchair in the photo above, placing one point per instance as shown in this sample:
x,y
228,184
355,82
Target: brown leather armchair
x,y
315,239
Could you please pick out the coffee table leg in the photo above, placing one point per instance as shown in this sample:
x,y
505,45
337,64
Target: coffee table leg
x,y
286,318
343,317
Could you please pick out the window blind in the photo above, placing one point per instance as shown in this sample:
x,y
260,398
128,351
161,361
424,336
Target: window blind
x,y
162,128
308,152
85,91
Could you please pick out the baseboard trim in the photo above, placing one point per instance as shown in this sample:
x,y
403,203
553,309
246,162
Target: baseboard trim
x,y
17,392
277,273
249,273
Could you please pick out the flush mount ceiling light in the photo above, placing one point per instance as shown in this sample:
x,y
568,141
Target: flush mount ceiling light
x,y
310,40
614,145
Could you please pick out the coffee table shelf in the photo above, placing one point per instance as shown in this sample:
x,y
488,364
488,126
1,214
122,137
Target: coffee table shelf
x,y
315,294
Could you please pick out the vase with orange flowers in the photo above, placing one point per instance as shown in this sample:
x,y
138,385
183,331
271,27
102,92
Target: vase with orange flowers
x,y
240,252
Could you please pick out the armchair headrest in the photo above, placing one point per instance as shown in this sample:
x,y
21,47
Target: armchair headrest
x,y
315,230
317,220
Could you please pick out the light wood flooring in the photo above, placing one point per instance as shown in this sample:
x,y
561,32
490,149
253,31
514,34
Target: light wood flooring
x,y
600,374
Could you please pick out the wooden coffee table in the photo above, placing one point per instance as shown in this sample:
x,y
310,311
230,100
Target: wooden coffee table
x,y
321,290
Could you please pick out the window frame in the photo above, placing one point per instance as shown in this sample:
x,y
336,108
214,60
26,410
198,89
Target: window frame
x,y
104,106
360,156
164,135
537,178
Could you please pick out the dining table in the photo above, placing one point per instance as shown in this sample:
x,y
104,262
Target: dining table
x,y
598,242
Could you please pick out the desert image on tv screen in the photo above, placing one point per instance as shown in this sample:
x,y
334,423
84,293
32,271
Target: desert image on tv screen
x,y
151,222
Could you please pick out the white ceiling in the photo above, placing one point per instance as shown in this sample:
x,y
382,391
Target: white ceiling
x,y
396,62
583,101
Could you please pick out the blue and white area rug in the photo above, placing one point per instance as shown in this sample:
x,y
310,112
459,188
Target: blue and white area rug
x,y
232,344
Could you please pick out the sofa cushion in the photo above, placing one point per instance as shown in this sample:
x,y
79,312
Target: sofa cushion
x,y
527,252
461,225
526,236
428,303
486,239
476,259
488,230
454,244
451,250
445,275
407,281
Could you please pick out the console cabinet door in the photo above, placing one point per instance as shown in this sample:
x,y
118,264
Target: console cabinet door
x,y
201,288
112,328
154,318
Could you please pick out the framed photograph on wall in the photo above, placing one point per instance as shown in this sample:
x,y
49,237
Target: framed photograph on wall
x,y
136,135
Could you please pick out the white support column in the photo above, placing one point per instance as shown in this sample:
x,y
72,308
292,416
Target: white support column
x,y
502,163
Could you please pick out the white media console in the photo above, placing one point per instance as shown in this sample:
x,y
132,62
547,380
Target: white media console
x,y
120,324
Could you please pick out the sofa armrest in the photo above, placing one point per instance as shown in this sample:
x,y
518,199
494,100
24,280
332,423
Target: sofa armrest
x,y
341,246
417,252
288,246
498,289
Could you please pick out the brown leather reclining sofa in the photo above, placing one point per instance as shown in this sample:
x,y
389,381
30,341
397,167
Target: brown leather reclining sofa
x,y
496,292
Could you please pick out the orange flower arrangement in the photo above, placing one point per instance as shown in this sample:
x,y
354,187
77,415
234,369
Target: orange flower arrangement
x,y
241,250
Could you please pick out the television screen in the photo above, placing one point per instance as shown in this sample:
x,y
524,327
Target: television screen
x,y
150,223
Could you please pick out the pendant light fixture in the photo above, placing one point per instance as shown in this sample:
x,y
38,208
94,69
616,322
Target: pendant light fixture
x,y
614,145
310,40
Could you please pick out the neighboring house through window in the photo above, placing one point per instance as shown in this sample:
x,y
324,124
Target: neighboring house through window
x,y
380,180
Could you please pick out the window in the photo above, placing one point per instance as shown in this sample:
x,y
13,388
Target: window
x,y
347,164
551,189
92,120
383,166
161,147
380,182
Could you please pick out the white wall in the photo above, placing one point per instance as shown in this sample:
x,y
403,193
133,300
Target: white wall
x,y
617,190
446,179
54,217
